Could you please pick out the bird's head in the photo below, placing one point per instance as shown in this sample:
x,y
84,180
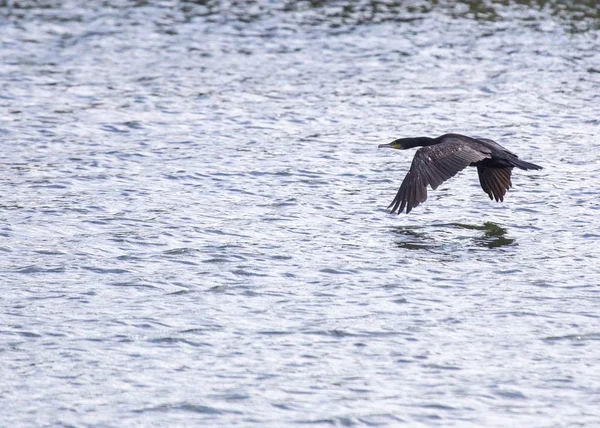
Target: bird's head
x,y
396,144
407,143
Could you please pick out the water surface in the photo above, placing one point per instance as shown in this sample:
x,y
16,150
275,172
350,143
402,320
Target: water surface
x,y
193,222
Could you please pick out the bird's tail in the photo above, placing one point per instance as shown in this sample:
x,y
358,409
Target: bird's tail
x,y
524,165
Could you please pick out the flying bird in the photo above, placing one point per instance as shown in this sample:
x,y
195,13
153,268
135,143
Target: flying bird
x,y
443,157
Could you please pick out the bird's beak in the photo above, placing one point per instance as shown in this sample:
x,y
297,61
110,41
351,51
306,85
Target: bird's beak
x,y
392,145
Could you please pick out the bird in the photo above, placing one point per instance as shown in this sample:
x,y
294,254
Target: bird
x,y
443,157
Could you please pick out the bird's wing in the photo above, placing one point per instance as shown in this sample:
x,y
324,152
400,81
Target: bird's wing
x,y
495,146
490,143
495,181
432,165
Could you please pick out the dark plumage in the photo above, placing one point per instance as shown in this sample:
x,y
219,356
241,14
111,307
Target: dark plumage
x,y
441,158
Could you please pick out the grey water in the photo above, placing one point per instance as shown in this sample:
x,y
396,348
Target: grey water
x,y
193,223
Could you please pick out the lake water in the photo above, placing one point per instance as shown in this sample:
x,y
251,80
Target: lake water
x,y
194,227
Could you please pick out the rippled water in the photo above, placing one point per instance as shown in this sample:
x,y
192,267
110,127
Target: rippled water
x,y
194,227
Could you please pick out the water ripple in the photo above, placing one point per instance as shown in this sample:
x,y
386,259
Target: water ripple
x,y
193,225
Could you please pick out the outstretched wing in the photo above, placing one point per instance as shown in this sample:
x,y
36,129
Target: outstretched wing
x,y
495,146
432,165
495,181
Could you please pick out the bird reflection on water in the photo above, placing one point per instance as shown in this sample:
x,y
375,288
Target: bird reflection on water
x,y
418,238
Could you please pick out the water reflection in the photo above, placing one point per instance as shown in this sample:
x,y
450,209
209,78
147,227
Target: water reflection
x,y
493,235
418,237
413,239
580,15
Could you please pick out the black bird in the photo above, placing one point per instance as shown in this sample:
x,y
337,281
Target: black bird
x,y
441,158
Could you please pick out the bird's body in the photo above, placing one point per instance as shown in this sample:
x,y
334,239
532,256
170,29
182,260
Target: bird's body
x,y
443,157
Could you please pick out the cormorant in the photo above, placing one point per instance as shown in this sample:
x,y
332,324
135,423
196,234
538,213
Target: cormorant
x,y
441,158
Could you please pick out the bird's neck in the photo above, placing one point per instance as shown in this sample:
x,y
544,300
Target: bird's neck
x,y
409,143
